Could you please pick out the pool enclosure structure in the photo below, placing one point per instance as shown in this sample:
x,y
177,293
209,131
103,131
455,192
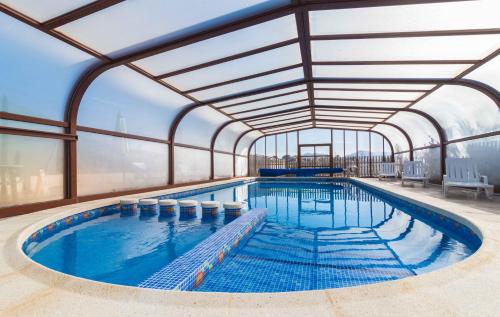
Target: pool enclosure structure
x,y
104,98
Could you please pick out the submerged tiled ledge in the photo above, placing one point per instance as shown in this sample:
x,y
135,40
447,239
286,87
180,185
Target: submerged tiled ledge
x,y
189,270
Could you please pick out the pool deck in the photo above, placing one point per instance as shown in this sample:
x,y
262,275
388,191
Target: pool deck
x,y
468,288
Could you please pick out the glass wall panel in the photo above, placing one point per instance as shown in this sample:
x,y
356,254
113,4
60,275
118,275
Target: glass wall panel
x,y
30,126
277,30
246,141
397,138
241,166
420,130
364,153
256,97
271,151
431,159
31,170
315,136
389,71
250,84
38,71
122,28
261,146
227,137
108,164
387,149
122,100
338,148
385,95
461,111
485,152
399,159
268,102
253,64
385,104
223,165
377,144
374,86
403,49
350,148
198,126
191,165
281,144
424,17
488,73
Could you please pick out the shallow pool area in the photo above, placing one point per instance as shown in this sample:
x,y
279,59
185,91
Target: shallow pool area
x,y
316,235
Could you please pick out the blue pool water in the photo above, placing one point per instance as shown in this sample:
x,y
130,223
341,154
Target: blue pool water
x,y
316,236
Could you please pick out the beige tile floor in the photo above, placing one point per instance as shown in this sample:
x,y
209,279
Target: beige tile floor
x,y
468,288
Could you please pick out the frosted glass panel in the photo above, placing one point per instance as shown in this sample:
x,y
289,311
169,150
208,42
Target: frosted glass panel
x,y
485,152
461,111
107,164
389,71
45,10
227,137
31,170
301,115
38,72
277,30
385,104
341,114
245,142
418,17
411,48
191,165
223,165
288,127
431,159
137,24
241,166
250,84
367,95
340,126
268,102
293,120
123,100
273,59
329,116
197,127
374,86
395,136
420,130
488,73
290,107
346,124
262,95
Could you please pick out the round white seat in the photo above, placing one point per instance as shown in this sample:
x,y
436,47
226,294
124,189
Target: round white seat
x,y
210,204
188,203
129,201
167,202
148,202
233,205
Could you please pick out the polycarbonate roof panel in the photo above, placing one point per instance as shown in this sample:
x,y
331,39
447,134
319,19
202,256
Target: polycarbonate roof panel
x,y
420,130
46,9
341,127
374,86
406,18
346,124
277,30
244,144
260,96
136,24
298,115
268,102
384,104
198,126
250,84
227,137
290,107
271,122
367,95
389,71
401,49
395,136
349,114
288,128
273,59
461,111
333,117
489,73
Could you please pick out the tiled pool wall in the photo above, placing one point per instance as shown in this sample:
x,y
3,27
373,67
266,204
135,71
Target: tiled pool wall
x,y
188,271
427,214
79,218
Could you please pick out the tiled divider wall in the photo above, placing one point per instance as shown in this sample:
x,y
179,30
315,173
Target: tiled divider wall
x,y
76,219
188,271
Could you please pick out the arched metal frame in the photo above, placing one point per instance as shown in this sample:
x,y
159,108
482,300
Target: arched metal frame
x,y
297,7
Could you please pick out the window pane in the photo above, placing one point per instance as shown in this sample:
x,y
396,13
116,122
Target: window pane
x,y
421,131
315,136
277,30
401,49
418,17
270,145
281,143
367,95
191,165
432,162
261,146
389,71
198,126
30,126
350,143
223,165
38,71
124,101
107,164
397,138
250,84
377,144
227,137
45,10
257,63
133,25
461,111
31,170
241,166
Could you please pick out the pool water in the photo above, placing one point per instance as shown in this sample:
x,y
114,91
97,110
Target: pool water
x,y
316,235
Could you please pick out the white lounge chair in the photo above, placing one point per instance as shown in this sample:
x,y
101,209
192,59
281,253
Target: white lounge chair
x,y
463,173
414,171
387,170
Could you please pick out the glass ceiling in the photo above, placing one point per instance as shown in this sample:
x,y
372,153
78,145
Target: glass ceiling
x,y
255,62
